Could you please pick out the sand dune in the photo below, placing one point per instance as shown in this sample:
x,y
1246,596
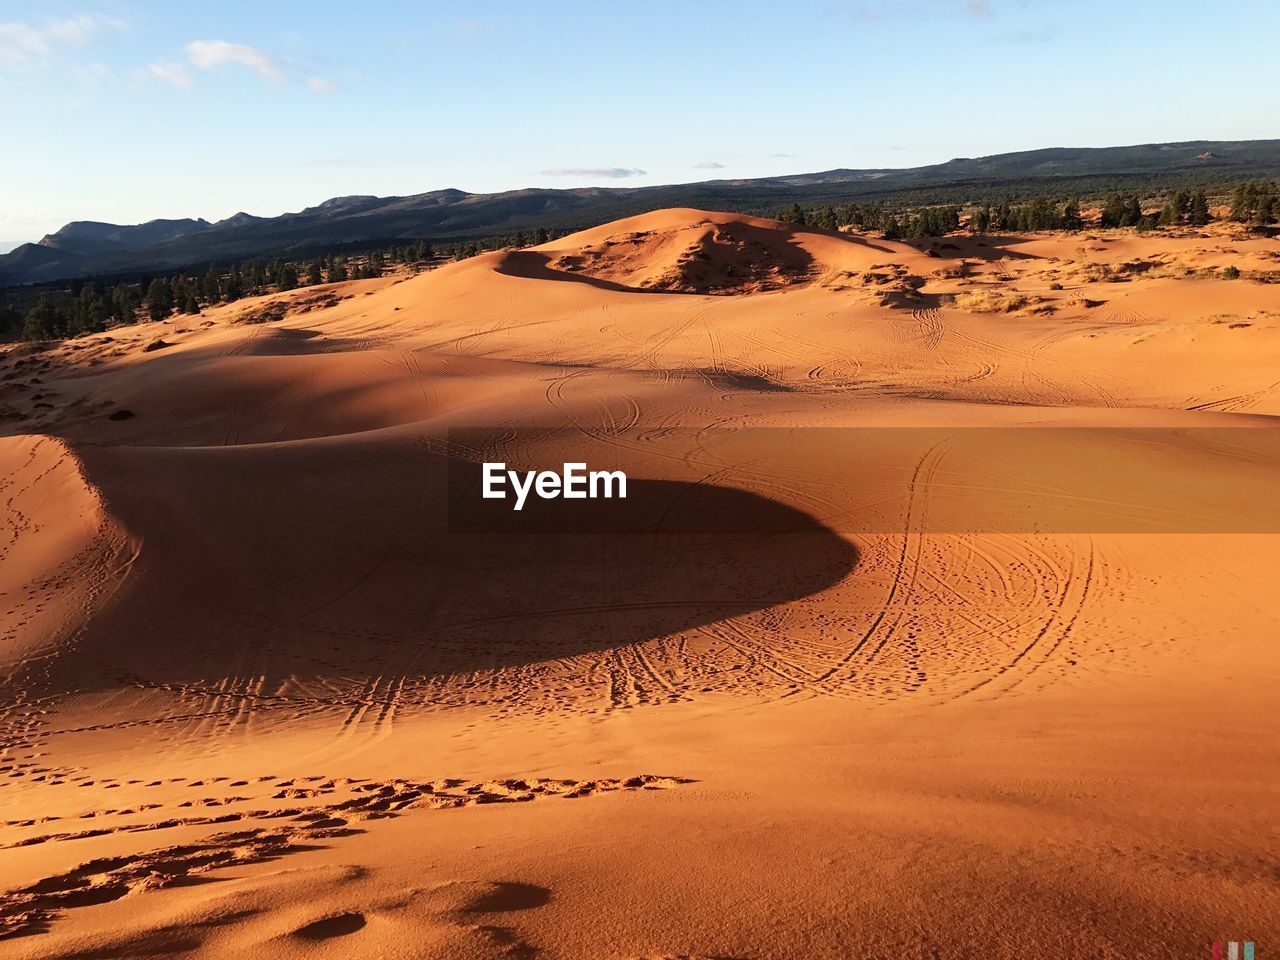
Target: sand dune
x,y
823,689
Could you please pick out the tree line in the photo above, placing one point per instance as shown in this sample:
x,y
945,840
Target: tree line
x,y
92,306
1256,204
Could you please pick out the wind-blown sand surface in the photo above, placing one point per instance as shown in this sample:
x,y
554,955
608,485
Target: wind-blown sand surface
x,y
261,699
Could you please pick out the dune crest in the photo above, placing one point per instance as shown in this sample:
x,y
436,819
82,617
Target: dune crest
x,y
690,252
61,556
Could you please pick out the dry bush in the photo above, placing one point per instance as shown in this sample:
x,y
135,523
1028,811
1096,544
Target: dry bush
x,y
994,301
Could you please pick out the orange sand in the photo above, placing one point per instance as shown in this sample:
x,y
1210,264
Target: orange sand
x,y
259,700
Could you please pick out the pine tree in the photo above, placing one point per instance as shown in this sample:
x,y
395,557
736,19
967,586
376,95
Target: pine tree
x,y
180,292
212,282
1255,203
1039,214
1242,201
1174,208
793,214
74,326
90,312
123,303
1199,214
1113,211
287,276
1071,219
235,284
980,219
42,321
1133,213
1267,206
315,273
338,271
10,322
159,299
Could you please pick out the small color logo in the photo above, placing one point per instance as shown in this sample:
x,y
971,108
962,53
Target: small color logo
x,y
1233,950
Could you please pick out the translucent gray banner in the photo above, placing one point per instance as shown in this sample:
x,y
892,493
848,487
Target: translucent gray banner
x,y
864,480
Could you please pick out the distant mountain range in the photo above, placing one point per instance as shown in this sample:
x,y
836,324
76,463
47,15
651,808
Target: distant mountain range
x,y
87,248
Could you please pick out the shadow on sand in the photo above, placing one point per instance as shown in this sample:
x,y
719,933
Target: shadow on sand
x,y
282,563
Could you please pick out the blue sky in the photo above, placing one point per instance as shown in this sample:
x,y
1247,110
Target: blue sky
x,y
126,110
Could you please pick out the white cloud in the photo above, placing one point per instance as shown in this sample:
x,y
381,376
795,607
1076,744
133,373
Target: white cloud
x,y
21,43
215,54
207,54
709,165
75,30
174,74
594,173
875,10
